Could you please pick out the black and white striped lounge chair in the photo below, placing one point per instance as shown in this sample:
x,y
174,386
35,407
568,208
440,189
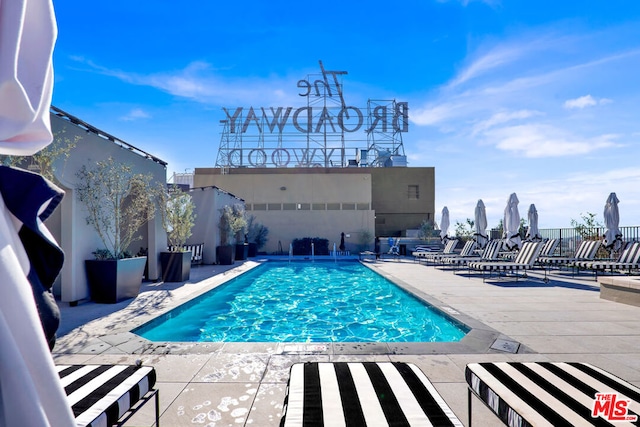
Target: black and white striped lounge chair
x,y
363,394
467,251
552,394
524,261
430,256
105,395
490,253
586,251
629,260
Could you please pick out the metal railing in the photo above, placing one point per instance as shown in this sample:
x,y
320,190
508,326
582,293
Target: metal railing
x,y
570,238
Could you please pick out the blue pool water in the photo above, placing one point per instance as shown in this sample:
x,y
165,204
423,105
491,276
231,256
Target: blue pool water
x,y
305,302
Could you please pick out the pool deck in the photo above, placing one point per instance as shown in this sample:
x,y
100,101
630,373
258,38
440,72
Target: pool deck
x,y
243,384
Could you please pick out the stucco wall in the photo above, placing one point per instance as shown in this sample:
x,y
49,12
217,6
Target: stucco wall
x,y
209,202
77,239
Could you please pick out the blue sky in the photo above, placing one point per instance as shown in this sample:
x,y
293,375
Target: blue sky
x,y
537,98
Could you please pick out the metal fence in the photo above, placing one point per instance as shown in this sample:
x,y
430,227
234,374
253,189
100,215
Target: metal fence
x,y
570,238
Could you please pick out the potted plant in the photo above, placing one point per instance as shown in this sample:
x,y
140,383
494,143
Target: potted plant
x,y
257,235
118,202
232,225
177,209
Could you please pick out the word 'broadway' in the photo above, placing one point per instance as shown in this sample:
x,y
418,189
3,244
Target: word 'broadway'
x,y
347,119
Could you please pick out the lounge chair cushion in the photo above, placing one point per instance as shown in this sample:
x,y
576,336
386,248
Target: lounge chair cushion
x,y
629,259
361,394
546,393
490,253
524,261
586,251
100,395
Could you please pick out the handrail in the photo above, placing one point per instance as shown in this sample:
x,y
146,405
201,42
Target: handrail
x,y
89,128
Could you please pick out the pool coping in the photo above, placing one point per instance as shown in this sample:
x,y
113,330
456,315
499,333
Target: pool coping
x,y
479,339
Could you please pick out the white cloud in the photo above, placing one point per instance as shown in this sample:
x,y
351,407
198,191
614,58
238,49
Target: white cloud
x,y
136,114
540,140
585,101
432,115
200,82
503,117
582,102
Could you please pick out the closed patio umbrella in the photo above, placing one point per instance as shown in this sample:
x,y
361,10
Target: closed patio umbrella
x,y
481,225
511,224
533,234
444,224
31,393
612,238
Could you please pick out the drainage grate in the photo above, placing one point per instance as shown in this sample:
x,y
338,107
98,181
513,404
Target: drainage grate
x,y
505,345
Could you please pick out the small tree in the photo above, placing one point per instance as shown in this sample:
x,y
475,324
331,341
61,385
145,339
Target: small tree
x,y
585,227
364,239
178,217
118,203
42,161
256,232
232,224
426,230
465,230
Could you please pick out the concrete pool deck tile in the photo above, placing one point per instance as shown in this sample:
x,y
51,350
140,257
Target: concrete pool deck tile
x,y
252,347
212,404
305,348
438,368
267,405
280,365
146,416
360,358
176,367
361,348
247,367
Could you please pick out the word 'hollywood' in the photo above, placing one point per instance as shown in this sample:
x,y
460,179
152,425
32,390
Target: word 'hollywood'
x,y
348,118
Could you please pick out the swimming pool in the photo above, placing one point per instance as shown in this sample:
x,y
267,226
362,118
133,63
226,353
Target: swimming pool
x,y
305,302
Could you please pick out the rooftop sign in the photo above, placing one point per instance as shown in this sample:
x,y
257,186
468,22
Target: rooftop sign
x,y
311,135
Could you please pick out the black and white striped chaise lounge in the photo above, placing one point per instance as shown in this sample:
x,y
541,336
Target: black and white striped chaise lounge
x,y
553,394
363,394
586,251
524,261
104,395
467,251
490,253
628,260
449,249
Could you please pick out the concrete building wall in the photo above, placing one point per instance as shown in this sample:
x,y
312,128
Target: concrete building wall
x,y
302,202
402,198
68,225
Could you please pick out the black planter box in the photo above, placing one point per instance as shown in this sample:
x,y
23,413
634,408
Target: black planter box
x,y
253,250
114,280
176,266
242,251
225,255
